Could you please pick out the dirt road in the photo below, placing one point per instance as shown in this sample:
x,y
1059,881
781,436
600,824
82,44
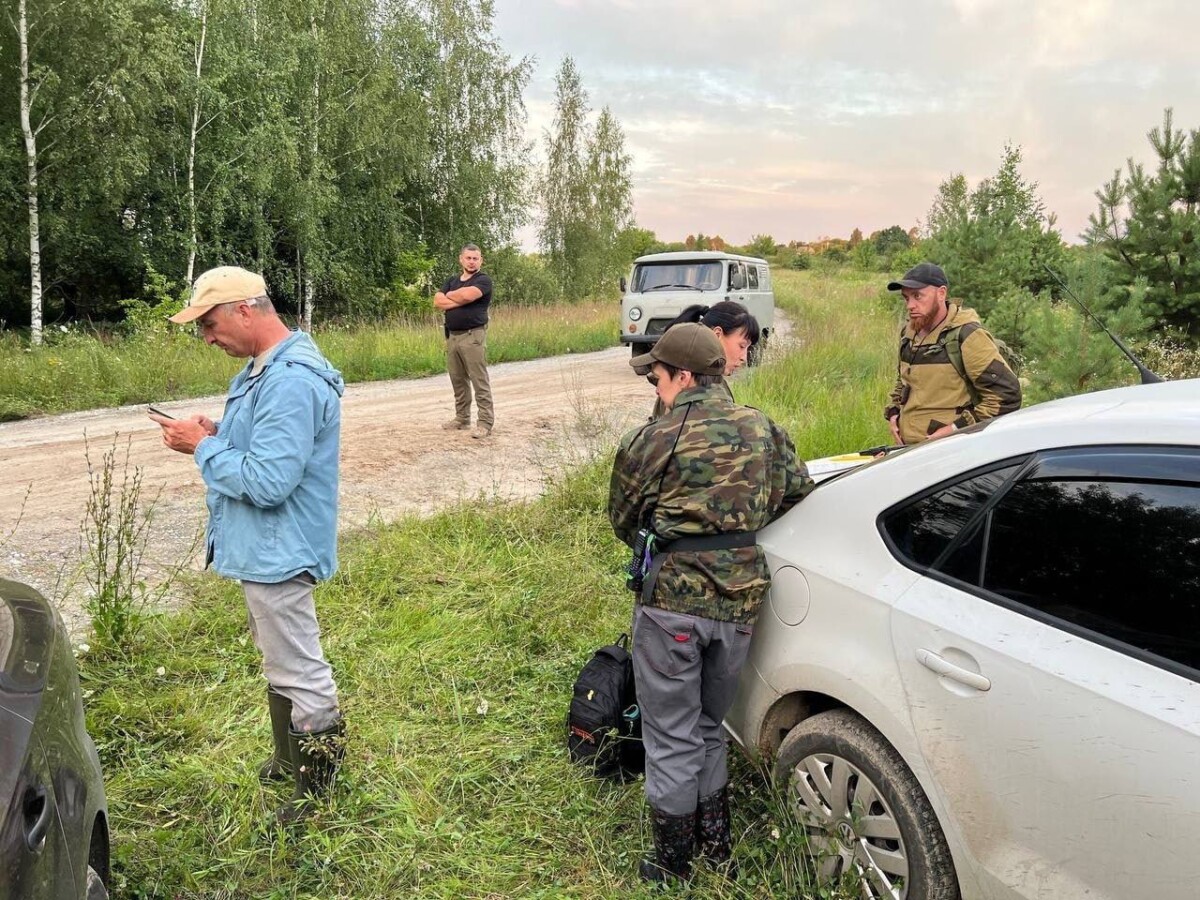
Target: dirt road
x,y
396,459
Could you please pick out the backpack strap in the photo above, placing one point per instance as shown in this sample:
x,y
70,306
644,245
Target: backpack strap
x,y
951,341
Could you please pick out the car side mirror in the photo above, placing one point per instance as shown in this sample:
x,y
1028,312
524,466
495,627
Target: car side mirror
x,y
623,286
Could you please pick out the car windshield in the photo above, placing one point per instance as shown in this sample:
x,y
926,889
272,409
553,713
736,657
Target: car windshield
x,y
697,275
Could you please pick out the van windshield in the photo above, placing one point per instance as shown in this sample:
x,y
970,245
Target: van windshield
x,y
701,275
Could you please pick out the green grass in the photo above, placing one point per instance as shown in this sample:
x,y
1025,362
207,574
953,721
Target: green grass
x,y
442,797
85,371
829,391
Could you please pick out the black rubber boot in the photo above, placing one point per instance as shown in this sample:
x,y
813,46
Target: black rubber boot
x,y
713,835
674,843
316,756
279,766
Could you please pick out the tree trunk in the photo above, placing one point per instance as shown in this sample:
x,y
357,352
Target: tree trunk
x,y
310,294
35,240
193,240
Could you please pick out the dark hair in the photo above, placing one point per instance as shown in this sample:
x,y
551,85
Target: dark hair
x,y
467,247
727,315
698,379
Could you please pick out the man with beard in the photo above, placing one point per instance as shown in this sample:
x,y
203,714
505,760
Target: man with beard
x,y
951,373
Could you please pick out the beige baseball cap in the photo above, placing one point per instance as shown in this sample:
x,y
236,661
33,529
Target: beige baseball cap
x,y
224,284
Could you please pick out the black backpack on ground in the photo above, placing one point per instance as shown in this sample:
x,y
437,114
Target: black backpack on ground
x,y
604,725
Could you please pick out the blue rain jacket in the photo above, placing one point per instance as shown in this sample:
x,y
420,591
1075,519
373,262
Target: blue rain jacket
x,y
272,469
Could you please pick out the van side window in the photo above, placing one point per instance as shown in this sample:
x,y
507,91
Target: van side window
x,y
753,273
764,279
737,276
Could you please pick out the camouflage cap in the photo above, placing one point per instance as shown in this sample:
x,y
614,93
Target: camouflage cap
x,y
691,346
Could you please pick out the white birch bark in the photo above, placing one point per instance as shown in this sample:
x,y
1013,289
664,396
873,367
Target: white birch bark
x,y
193,239
31,162
310,294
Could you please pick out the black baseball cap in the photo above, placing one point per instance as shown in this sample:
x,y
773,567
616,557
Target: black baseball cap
x,y
921,275
691,346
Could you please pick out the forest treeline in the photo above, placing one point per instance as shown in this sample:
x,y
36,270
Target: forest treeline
x,y
346,150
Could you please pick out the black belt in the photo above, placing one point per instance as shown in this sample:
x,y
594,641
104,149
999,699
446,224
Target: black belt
x,y
732,540
464,330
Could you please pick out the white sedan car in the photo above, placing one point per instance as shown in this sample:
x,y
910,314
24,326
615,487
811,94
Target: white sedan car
x,y
978,671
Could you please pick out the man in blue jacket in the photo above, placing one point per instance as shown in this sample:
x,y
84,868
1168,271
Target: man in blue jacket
x,y
271,469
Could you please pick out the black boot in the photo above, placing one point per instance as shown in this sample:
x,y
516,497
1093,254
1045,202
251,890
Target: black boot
x,y
279,766
674,843
713,836
316,756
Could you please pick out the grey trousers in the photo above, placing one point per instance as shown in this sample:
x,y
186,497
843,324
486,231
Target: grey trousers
x,y
283,623
466,362
687,672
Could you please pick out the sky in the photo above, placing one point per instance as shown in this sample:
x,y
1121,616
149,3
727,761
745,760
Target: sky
x,y
809,118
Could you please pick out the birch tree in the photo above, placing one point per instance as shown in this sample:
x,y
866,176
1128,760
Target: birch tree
x,y
28,96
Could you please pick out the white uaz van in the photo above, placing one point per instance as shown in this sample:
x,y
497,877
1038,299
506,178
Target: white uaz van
x,y
662,285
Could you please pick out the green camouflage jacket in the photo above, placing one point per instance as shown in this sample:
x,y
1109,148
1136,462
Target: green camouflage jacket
x,y
659,410
732,469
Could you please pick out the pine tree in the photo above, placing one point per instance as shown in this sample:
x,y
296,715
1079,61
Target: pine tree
x,y
1148,226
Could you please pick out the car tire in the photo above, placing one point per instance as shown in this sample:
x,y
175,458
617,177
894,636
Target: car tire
x,y
832,763
96,889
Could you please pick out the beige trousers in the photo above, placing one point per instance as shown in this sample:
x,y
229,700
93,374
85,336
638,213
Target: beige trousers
x,y
466,361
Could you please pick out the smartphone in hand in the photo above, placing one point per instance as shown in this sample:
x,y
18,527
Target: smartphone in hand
x,y
158,412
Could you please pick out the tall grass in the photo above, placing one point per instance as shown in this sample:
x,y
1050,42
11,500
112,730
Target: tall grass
x,y
455,640
828,388
79,370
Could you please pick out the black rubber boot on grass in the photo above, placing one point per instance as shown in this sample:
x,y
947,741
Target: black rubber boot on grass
x,y
279,766
316,757
674,844
714,837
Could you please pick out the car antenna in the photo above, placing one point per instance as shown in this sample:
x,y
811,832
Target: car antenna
x,y
1148,377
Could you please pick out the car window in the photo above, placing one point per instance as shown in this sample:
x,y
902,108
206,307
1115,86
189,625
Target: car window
x,y
922,531
752,273
1120,558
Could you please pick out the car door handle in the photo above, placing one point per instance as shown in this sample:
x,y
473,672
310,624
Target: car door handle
x,y
944,667
37,818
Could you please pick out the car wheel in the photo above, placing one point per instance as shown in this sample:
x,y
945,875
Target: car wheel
x,y
868,822
96,889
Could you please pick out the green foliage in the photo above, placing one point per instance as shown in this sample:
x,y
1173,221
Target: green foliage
x,y
115,530
586,191
161,298
994,241
761,245
1066,353
328,144
1148,225
521,279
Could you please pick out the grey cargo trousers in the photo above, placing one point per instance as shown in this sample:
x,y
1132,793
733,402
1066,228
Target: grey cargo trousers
x,y
687,670
283,623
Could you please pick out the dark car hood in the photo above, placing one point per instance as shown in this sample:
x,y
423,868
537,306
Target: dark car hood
x,y
28,630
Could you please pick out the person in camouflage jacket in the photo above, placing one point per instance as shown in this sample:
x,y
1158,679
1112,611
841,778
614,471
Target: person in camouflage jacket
x,y
708,467
951,372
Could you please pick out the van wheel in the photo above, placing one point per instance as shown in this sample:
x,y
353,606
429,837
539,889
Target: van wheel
x,y
870,827
757,351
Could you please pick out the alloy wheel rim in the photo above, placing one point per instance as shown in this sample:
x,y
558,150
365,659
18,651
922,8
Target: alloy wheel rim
x,y
851,828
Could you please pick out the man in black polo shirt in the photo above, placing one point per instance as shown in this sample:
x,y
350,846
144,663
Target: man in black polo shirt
x,y
465,298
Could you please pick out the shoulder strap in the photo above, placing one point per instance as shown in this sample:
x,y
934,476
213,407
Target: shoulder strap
x,y
951,340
